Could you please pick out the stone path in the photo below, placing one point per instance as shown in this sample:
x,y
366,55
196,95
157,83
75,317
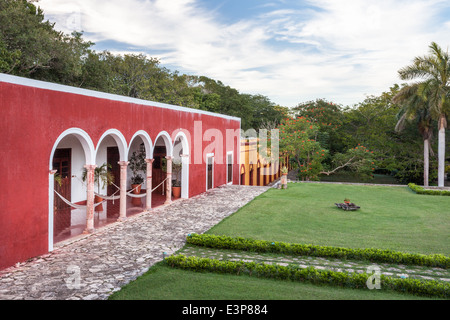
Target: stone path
x,y
399,271
95,266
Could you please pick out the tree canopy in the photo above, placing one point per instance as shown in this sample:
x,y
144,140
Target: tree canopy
x,y
31,47
322,137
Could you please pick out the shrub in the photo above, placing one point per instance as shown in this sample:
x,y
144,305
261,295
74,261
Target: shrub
x,y
421,190
350,280
370,254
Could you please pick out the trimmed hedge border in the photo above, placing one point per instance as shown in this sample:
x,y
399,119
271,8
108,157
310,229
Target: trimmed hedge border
x,y
326,277
372,255
420,190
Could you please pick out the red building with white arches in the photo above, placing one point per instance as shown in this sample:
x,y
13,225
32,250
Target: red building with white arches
x,y
56,139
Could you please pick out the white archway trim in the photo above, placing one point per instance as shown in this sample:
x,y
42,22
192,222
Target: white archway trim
x,y
85,140
185,163
184,141
147,143
167,141
120,141
89,152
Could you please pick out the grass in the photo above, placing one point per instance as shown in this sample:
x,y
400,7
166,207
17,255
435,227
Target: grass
x,y
390,218
165,283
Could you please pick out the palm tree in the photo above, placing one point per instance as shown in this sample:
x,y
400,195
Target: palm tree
x,y
434,70
415,108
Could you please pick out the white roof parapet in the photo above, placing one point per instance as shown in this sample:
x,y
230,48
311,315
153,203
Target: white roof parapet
x,y
103,95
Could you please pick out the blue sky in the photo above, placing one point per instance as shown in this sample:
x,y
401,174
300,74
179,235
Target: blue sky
x,y
290,51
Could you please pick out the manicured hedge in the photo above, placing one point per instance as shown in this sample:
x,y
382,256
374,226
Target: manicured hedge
x,y
349,280
373,255
421,190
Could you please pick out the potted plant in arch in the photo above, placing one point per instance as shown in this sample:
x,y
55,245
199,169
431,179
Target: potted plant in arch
x,y
176,183
137,164
102,176
58,179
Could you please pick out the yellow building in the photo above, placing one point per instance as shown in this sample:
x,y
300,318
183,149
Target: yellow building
x,y
254,169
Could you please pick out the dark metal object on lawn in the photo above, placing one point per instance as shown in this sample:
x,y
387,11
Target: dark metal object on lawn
x,y
347,206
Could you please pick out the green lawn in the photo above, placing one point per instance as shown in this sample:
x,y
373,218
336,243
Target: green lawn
x,y
390,218
165,283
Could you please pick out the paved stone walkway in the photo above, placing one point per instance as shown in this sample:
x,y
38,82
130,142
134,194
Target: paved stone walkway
x,y
398,271
94,266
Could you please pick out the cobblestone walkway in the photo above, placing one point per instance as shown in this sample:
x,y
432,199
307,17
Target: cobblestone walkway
x,y
95,266
399,271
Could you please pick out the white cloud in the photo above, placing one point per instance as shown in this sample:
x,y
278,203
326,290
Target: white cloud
x,y
340,51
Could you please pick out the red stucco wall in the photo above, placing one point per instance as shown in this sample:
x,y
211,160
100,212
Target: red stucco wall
x,y
31,121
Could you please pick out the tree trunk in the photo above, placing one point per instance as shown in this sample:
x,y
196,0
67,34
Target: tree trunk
x,y
426,161
441,151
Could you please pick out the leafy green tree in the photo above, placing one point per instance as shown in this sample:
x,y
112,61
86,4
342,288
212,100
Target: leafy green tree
x,y
31,47
297,140
23,31
135,75
434,88
328,116
372,123
415,109
8,59
206,101
265,111
97,72
66,66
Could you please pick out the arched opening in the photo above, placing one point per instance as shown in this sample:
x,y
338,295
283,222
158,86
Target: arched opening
x,y
180,166
162,170
258,173
111,151
242,175
251,182
139,150
265,175
209,171
67,193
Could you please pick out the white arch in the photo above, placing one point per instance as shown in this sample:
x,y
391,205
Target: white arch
x,y
120,141
147,143
89,152
167,141
185,162
85,140
184,141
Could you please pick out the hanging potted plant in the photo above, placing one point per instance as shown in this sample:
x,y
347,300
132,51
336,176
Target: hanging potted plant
x,y
176,183
137,164
103,177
